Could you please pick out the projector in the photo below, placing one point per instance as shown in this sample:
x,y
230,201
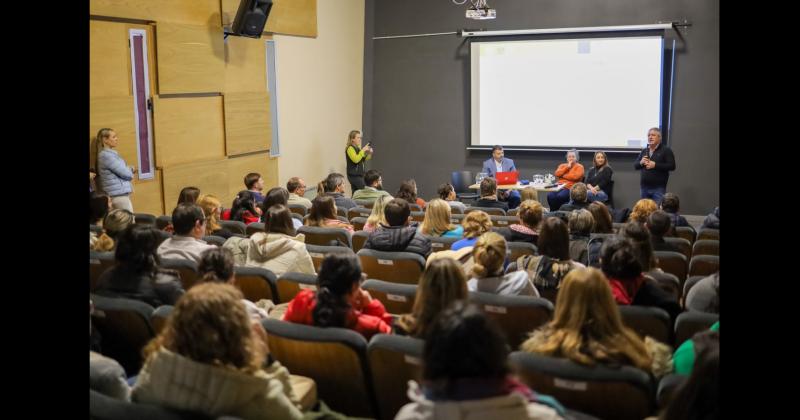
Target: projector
x,y
481,11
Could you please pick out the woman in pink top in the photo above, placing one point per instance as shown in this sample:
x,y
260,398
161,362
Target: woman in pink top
x,y
323,214
568,174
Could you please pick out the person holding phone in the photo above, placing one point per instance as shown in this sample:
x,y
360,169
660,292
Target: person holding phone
x,y
655,162
355,157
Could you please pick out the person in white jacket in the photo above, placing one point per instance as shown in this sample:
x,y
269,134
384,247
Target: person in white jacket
x,y
278,249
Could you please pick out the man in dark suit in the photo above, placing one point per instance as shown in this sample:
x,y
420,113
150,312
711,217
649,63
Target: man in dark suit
x,y
499,163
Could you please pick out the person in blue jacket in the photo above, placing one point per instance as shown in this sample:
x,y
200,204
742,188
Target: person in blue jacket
x,y
114,174
499,163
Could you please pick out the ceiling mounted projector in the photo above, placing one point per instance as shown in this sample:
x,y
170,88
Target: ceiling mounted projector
x,y
479,10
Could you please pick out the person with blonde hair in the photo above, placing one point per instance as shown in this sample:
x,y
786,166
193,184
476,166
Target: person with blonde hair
x,y
529,193
489,255
212,209
377,217
530,215
114,174
442,283
437,221
642,210
475,224
115,222
210,358
587,329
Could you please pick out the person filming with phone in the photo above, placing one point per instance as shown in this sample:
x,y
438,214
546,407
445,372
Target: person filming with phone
x,y
655,162
356,156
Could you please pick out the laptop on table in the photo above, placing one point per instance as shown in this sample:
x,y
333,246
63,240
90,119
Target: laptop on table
x,y
507,178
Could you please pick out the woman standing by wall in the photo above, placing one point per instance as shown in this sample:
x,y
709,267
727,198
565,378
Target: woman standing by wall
x,y
115,175
355,156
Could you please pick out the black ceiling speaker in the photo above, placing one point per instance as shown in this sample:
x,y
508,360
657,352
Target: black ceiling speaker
x,y
251,18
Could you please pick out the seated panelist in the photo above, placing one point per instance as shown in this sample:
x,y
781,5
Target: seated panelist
x,y
567,174
499,163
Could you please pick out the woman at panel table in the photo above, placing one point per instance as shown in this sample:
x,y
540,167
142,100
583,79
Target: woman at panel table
x,y
568,174
598,178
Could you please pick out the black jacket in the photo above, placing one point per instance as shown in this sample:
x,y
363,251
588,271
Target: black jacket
x,y
162,288
491,203
600,178
658,176
399,239
574,206
650,294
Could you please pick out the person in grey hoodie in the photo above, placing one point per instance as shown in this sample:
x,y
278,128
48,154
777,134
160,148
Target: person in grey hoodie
x,y
399,236
115,175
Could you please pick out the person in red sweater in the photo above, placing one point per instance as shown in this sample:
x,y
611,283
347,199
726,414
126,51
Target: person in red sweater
x,y
568,174
339,300
244,209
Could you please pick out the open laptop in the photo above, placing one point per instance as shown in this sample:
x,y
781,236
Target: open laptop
x,y
506,178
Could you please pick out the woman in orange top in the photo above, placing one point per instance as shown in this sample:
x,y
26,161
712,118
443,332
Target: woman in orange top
x,y
568,174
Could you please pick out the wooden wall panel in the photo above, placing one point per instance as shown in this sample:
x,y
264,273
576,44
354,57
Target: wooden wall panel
x,y
198,12
188,129
146,197
108,53
191,58
247,123
245,64
243,165
211,176
115,113
288,17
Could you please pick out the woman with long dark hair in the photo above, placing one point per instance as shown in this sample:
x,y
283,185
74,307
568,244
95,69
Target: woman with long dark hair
x,y
598,179
244,208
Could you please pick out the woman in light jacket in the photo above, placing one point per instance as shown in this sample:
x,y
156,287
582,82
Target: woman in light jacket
x,y
115,175
278,249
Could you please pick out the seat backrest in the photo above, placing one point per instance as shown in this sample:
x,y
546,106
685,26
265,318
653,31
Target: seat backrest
x,y
513,212
705,247
326,236
358,223
187,270
504,221
703,265
708,233
589,389
163,221
214,240
609,190
683,245
159,317
668,282
414,207
418,216
359,238
617,226
461,181
667,387
456,210
690,282
335,358
290,284
518,249
673,263
253,228
394,360
439,243
369,204
144,219
125,327
516,315
319,252
341,211
256,283
234,226
396,298
489,210
398,267
686,232
647,321
99,262
358,212
456,218
692,322
298,209
103,407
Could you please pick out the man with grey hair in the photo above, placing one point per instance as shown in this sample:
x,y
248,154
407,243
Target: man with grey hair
x,y
655,162
297,188
567,174
578,198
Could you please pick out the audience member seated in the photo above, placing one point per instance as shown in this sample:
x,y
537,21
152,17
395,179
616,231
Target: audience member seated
x,y
275,196
578,198
587,329
598,178
621,264
641,210
698,397
334,187
278,249
398,235
489,195
339,300
603,223
190,227
639,236
437,221
465,374
212,208
580,228
712,220
447,193
408,192
566,174
530,216
489,255
114,223
255,184
136,274
704,295
659,225
548,269
244,209
107,377
475,224
672,205
373,187
99,206
376,217
297,189
188,195
216,266
442,283
323,214
210,358
529,193
686,354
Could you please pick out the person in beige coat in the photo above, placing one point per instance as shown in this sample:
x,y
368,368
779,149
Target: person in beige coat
x,y
209,359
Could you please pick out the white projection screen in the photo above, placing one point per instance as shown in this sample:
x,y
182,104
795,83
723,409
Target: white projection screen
x,y
588,93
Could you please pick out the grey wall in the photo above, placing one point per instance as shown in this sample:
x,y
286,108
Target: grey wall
x,y
416,90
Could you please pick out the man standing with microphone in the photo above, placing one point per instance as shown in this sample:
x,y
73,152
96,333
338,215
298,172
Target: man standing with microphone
x,y
655,161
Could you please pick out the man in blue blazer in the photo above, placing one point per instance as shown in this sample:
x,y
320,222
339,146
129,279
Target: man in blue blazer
x,y
498,163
